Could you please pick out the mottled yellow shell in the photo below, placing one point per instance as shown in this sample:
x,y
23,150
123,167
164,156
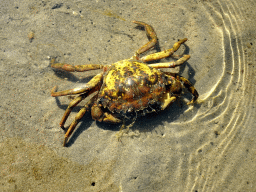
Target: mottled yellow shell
x,y
130,85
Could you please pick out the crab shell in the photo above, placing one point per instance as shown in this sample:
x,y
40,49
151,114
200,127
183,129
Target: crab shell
x,y
130,86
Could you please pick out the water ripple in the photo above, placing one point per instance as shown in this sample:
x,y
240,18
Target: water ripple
x,y
224,107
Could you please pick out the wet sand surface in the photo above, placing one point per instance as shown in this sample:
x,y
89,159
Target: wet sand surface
x,y
209,146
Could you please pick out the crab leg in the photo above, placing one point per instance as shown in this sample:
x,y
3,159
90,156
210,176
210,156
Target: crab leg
x,y
92,86
77,68
150,33
78,117
172,64
168,101
99,115
191,89
93,83
163,54
72,104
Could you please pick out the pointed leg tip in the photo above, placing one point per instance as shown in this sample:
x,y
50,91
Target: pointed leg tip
x,y
53,90
182,40
187,56
52,60
65,141
191,102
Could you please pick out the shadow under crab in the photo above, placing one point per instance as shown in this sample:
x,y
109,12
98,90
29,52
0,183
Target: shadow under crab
x,y
128,88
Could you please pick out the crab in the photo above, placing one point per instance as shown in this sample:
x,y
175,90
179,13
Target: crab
x,y
128,88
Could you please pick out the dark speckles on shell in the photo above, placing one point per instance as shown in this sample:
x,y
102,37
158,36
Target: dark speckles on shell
x,y
130,86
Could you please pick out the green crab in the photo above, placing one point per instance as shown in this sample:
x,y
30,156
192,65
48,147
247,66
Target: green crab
x,y
127,88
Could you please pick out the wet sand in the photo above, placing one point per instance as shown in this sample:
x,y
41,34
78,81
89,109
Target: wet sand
x,y
209,146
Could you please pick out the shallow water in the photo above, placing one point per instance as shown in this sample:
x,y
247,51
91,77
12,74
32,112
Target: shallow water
x,y
209,146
